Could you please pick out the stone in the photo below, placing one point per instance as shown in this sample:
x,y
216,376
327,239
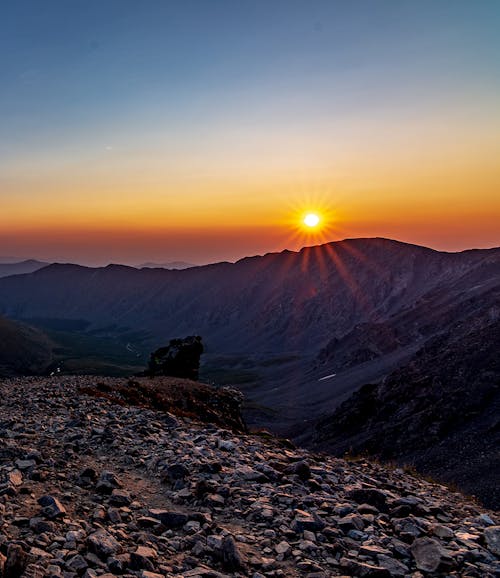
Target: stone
x,y
107,482
143,558
363,570
180,358
232,559
15,562
283,548
492,538
120,498
78,564
371,496
169,518
103,544
428,554
306,521
52,507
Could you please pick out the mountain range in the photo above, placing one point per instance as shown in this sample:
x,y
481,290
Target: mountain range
x,y
298,332
168,265
17,268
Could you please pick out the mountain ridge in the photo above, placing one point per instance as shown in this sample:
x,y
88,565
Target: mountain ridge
x,y
297,332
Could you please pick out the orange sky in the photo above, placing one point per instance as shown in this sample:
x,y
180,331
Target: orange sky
x,y
116,147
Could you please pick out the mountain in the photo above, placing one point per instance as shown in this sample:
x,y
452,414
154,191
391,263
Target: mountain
x,y
24,350
297,332
171,265
275,324
95,486
440,412
28,266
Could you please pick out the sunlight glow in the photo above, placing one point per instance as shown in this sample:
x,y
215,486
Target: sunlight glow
x,y
311,220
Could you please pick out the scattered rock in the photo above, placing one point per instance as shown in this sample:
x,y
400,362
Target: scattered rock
x,y
232,505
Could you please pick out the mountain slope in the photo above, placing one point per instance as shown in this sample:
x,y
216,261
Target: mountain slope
x,y
28,266
24,350
440,412
272,322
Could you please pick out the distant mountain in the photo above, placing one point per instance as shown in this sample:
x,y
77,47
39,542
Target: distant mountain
x,y
28,266
24,350
171,265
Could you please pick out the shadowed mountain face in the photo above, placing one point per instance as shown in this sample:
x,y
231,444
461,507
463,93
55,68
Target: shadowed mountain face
x,y
23,350
28,266
440,412
275,325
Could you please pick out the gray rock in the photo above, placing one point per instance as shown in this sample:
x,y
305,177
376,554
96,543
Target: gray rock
x,y
492,537
103,544
428,554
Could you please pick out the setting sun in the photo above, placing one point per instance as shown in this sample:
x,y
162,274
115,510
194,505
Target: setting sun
x,y
311,220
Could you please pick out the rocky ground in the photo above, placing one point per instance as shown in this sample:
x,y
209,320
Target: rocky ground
x,y
91,487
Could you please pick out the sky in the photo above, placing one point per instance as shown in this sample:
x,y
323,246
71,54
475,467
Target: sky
x,y
204,130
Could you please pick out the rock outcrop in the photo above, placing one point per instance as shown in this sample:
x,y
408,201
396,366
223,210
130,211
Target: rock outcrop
x,y
180,358
92,487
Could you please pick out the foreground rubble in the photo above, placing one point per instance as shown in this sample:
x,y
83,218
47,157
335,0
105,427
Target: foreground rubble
x,y
92,488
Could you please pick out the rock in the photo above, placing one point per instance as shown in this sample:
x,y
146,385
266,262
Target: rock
x,y
306,521
363,570
78,564
169,518
224,512
15,477
396,568
492,537
428,554
283,548
441,531
143,558
107,483
15,562
52,507
371,496
175,472
232,560
300,469
103,544
39,525
180,358
120,498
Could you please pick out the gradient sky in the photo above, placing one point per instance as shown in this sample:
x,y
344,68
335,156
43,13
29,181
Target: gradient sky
x,y
201,130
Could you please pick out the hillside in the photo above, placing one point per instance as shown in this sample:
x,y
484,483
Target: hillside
x,y
99,488
273,325
24,350
440,412
28,266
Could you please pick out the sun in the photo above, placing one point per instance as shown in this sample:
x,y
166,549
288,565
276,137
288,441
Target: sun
x,y
311,220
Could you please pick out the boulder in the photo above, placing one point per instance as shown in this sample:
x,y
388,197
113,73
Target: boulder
x,y
180,358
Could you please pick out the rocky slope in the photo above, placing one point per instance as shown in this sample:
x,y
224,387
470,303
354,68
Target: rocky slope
x,y
440,412
90,487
